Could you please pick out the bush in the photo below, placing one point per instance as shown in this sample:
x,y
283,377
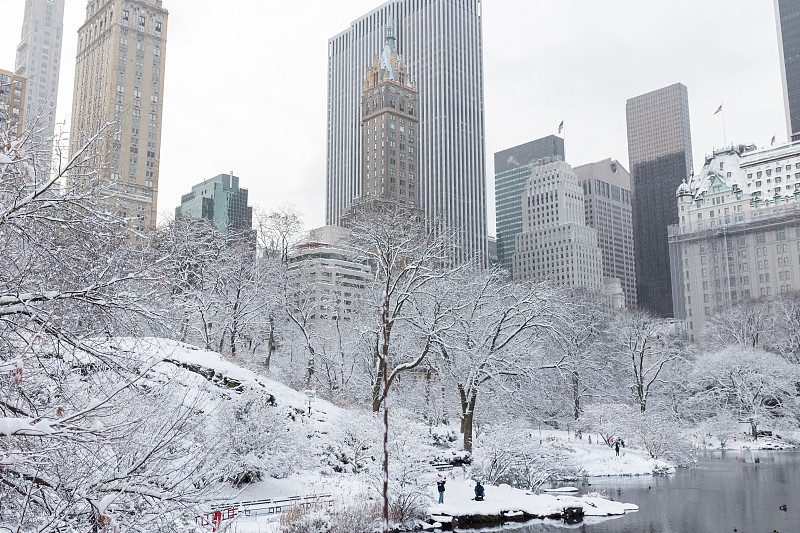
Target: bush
x,y
357,517
510,456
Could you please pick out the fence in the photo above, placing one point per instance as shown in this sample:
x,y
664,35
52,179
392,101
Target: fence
x,y
228,511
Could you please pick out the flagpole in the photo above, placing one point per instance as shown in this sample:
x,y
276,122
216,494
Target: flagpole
x,y
724,132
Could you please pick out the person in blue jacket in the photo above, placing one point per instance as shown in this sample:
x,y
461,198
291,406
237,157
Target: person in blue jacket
x,y
479,492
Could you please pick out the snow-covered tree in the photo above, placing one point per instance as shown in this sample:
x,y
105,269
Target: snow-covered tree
x,y
748,323
85,437
490,330
648,346
278,230
511,453
406,260
752,384
577,353
786,335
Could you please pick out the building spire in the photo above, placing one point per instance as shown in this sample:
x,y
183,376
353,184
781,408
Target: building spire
x,y
386,56
390,39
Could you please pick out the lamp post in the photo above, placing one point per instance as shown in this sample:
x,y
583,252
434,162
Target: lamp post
x,y
310,394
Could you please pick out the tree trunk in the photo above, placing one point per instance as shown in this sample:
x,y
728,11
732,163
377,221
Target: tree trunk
x,y
235,326
376,386
462,395
271,341
468,415
384,397
576,397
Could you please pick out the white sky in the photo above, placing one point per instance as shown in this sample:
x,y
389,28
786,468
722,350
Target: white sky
x,y
246,82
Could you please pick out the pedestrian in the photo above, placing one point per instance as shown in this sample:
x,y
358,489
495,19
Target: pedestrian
x,y
616,447
479,492
622,441
440,486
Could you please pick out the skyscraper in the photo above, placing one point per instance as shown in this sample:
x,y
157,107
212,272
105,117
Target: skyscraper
x,y
512,168
660,153
389,129
220,200
555,243
787,18
607,199
39,60
441,45
119,76
12,101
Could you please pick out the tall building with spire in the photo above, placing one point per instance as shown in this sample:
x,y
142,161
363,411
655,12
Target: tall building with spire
x,y
440,42
39,60
389,129
119,78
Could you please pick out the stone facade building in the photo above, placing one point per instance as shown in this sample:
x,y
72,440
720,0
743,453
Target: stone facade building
x,y
334,279
389,129
738,235
555,242
607,198
119,78
12,101
512,168
39,60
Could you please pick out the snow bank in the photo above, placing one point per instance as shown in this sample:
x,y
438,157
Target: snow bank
x,y
506,500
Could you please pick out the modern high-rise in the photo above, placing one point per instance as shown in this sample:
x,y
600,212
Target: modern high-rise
x,y
555,243
512,168
334,281
787,18
440,42
220,200
39,60
12,101
660,154
607,199
119,78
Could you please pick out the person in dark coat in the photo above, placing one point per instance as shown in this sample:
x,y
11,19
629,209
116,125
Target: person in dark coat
x,y
479,492
440,486
616,447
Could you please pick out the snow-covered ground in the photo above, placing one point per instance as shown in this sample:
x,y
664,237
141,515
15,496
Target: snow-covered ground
x,y
209,371
598,459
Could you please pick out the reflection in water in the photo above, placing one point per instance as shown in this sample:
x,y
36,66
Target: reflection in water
x,y
736,489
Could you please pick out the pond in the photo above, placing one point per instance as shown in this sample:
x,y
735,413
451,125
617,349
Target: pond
x,y
726,490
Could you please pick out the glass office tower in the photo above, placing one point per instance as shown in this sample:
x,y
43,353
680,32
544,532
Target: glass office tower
x,y
660,154
787,15
512,168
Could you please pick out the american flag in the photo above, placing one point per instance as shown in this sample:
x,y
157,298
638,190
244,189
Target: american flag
x,y
773,141
718,109
560,126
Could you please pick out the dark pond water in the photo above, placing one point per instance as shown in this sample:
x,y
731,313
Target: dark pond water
x,y
727,490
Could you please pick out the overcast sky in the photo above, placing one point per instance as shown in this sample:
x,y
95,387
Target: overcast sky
x,y
246,82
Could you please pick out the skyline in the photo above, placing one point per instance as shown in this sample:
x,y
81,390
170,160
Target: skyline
x,y
585,62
